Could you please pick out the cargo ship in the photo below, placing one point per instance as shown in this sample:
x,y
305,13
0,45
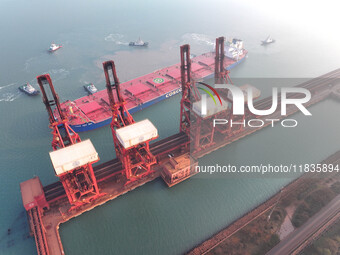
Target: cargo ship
x,y
93,111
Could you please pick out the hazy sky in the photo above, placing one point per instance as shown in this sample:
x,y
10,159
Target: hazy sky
x,y
315,16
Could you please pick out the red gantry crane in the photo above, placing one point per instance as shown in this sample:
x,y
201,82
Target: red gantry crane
x,y
236,123
187,86
222,77
71,158
196,123
131,139
221,74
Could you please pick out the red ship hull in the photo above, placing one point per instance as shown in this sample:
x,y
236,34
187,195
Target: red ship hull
x,y
92,111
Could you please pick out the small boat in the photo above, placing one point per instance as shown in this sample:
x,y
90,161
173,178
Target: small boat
x,y
90,88
269,40
139,43
54,47
234,49
28,89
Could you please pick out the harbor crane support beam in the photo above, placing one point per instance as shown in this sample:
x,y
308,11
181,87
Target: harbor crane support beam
x,y
79,182
222,77
198,128
221,73
137,160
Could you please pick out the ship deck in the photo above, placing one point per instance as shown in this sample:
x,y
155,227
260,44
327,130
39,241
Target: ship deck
x,y
140,92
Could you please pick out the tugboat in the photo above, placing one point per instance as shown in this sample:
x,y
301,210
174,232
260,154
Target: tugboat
x,y
54,47
269,40
29,90
90,88
139,43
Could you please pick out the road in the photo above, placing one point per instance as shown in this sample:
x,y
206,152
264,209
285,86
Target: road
x,y
296,238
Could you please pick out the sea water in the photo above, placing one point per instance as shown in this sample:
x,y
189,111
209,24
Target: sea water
x,y
154,219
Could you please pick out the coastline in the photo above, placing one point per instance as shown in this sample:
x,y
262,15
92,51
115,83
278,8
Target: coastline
x,y
264,207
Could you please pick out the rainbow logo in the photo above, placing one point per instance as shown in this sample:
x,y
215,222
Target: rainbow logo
x,y
209,93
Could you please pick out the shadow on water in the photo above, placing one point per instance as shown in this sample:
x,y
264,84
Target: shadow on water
x,y
17,232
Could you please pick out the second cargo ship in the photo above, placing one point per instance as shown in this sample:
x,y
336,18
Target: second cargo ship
x,y
93,111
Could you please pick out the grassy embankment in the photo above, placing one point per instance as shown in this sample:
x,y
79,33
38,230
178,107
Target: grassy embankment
x,y
259,236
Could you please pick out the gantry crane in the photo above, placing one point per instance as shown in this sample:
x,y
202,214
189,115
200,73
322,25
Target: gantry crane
x,y
189,90
196,125
221,74
222,77
131,139
72,159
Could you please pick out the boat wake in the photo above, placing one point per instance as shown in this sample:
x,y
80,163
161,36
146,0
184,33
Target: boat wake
x,y
31,62
7,94
116,38
6,86
200,39
28,63
9,97
58,74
